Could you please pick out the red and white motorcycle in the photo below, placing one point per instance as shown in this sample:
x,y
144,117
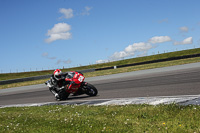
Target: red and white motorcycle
x,y
77,86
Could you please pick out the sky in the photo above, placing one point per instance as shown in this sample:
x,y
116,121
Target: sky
x,y
49,34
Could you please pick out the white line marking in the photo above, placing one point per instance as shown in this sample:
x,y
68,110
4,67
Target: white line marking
x,y
119,101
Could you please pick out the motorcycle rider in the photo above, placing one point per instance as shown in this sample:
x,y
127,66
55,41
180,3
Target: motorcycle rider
x,y
59,80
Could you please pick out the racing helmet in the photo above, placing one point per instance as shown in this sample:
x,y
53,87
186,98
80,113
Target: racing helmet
x,y
57,74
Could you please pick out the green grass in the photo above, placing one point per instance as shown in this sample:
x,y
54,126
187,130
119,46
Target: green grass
x,y
128,118
143,67
26,83
121,62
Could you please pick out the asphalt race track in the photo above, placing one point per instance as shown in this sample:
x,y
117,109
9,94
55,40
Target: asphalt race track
x,y
169,81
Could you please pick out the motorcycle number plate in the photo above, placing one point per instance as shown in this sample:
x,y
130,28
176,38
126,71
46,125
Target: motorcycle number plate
x,y
80,79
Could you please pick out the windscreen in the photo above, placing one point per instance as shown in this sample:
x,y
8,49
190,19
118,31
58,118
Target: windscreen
x,y
70,75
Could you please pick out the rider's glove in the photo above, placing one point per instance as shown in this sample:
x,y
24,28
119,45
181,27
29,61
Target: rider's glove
x,y
61,88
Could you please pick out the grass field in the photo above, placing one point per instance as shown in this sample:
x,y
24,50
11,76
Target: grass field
x,y
128,118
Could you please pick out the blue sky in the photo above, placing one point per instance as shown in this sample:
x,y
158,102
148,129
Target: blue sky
x,y
49,34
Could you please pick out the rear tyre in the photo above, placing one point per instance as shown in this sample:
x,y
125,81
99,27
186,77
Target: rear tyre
x,y
91,90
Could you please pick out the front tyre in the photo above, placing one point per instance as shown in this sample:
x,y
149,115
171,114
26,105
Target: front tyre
x,y
63,95
91,90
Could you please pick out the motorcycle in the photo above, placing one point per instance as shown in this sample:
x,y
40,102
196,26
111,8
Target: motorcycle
x,y
78,87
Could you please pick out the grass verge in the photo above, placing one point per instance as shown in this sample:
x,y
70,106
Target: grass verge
x,y
116,63
25,83
127,118
114,71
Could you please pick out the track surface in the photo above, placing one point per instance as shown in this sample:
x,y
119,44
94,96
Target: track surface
x,y
170,81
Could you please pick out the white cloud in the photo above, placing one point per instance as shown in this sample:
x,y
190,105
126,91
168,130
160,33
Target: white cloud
x,y
163,20
86,11
46,55
64,61
67,13
101,61
58,61
184,29
60,31
142,46
188,40
58,36
131,50
52,58
67,61
59,28
120,55
159,39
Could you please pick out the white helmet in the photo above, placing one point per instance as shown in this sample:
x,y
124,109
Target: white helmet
x,y
57,74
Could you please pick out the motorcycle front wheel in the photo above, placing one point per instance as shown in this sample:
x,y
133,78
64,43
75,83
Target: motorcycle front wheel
x,y
63,95
91,90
